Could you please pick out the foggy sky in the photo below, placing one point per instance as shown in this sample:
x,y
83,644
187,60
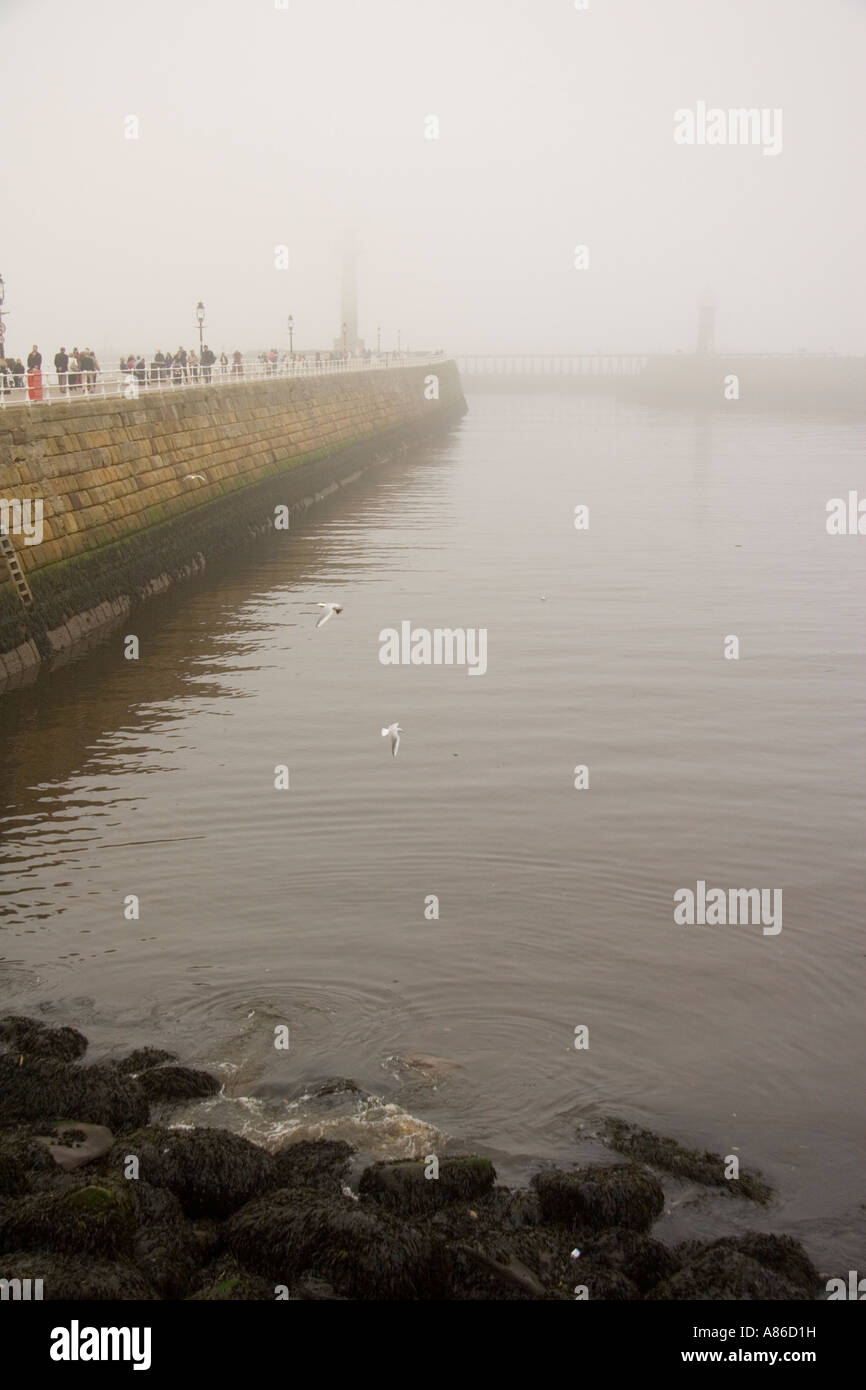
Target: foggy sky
x,y
306,126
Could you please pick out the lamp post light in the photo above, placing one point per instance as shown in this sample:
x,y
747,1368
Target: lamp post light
x,y
199,313
378,340
291,337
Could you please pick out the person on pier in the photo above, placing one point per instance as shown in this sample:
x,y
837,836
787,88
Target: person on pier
x,y
34,374
61,367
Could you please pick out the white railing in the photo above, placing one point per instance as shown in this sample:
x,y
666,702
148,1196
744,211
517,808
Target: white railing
x,y
553,364
612,363
25,389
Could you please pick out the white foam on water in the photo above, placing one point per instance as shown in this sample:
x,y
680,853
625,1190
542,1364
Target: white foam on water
x,y
371,1124
376,1126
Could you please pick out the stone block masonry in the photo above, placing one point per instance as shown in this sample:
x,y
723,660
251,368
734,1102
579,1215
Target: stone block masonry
x,y
120,520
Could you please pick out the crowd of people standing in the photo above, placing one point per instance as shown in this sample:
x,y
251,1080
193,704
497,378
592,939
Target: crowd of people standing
x,y
180,367
77,371
12,371
186,366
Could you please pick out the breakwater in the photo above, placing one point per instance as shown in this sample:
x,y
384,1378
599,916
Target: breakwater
x,y
793,382
105,1204
103,510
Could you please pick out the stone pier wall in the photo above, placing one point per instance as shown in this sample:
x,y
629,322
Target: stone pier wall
x,y
121,520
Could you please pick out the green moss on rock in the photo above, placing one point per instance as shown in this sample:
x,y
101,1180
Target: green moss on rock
x,y
85,1221
92,1199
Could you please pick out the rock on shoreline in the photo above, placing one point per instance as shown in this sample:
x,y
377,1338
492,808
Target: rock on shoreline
x,y
101,1204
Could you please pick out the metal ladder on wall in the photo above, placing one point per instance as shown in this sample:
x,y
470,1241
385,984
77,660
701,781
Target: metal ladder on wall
x,y
16,573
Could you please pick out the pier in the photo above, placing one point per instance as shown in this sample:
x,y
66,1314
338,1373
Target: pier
x,y
796,381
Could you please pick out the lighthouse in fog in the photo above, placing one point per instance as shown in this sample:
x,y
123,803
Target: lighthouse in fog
x,y
348,339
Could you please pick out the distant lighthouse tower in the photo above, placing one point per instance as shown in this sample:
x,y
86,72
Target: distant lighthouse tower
x,y
348,338
706,327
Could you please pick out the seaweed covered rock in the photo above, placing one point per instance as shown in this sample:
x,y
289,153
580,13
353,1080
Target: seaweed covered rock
x,y
672,1157
33,1089
476,1274
208,1237
726,1274
597,1196
512,1209
312,1163
102,1097
142,1059
32,1038
93,1220
205,1215
497,1248
225,1281
166,1248
404,1185
781,1254
41,1089
312,1290
177,1083
641,1260
364,1254
606,1285
212,1172
485,1263
22,1158
74,1278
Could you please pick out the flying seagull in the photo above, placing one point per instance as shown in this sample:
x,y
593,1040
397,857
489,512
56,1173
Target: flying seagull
x,y
194,478
331,609
395,731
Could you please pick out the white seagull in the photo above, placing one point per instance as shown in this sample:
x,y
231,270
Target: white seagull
x,y
331,608
395,731
194,478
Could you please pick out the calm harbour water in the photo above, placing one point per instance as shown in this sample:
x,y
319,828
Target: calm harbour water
x,y
306,907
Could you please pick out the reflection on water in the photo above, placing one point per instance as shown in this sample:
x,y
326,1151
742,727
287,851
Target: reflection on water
x,y
260,907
